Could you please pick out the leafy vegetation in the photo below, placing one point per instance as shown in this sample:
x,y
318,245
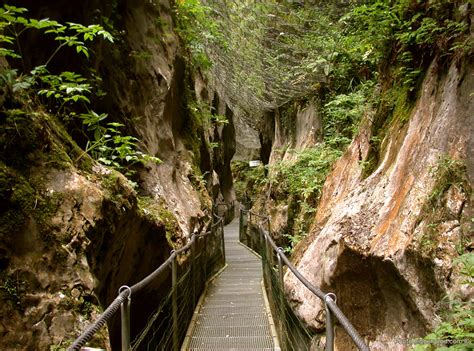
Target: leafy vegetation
x,y
198,30
68,92
300,182
456,331
280,53
450,174
305,176
248,181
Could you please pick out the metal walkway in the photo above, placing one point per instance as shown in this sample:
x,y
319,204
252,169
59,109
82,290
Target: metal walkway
x,y
234,314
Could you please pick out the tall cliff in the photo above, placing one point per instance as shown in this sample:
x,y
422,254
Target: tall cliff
x,y
384,243
368,182
72,231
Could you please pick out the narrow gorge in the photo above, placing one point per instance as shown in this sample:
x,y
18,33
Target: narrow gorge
x,y
127,126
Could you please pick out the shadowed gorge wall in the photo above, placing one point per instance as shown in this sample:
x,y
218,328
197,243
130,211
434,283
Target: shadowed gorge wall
x,y
85,231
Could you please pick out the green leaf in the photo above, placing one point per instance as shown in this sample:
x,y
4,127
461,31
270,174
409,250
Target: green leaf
x,y
115,124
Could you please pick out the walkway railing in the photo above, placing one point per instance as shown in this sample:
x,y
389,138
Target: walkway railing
x,y
293,334
190,267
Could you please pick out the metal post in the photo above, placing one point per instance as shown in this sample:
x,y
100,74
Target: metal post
x,y
193,265
329,322
205,259
280,265
125,318
223,241
174,301
241,224
281,301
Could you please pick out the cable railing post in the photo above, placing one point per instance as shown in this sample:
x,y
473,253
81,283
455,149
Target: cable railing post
x,y
280,265
193,265
125,318
205,257
174,301
241,224
222,240
329,322
281,299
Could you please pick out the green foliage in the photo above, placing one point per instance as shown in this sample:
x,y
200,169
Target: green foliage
x,y
11,290
304,177
409,32
65,89
203,115
248,181
293,240
343,113
197,29
110,147
67,92
300,183
456,332
75,35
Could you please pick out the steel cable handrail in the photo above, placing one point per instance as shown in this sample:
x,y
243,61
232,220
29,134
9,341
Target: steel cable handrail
x,y
326,298
126,294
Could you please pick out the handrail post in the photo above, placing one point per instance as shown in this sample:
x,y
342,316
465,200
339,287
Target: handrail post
x,y
329,322
241,225
222,240
281,299
174,301
125,318
205,257
193,264
280,265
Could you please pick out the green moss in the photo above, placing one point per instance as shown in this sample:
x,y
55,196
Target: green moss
x,y
119,189
158,212
21,201
394,111
12,290
400,98
193,129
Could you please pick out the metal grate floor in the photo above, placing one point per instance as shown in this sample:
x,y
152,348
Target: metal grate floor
x,y
233,315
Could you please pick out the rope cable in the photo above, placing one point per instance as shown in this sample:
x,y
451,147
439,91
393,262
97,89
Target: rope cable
x,y
210,259
273,283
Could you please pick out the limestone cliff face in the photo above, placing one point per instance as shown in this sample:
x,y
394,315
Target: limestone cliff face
x,y
147,87
283,133
297,128
247,139
72,231
384,243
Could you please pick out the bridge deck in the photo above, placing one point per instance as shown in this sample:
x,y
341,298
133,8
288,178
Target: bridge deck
x,y
233,315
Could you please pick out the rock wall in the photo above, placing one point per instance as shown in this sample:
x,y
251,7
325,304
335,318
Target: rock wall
x,y
283,133
247,139
384,243
298,126
72,231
